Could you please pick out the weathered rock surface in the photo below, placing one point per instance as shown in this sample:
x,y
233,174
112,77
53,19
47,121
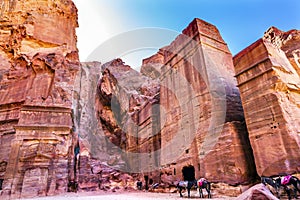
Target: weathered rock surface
x,y
268,78
289,42
129,115
257,192
158,122
201,114
152,66
107,104
100,166
85,104
38,64
63,122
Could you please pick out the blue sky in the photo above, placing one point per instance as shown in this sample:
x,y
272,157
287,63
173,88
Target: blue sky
x,y
240,22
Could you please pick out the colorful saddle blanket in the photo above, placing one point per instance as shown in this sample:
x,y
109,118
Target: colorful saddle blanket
x,y
183,183
200,182
286,179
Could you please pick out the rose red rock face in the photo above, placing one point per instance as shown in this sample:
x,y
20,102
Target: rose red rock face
x,y
197,85
151,66
127,111
269,85
287,42
191,92
38,65
185,93
126,107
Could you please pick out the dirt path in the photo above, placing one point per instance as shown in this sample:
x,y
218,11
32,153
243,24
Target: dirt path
x,y
122,196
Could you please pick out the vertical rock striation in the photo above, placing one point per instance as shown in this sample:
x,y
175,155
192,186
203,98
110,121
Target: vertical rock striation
x,y
100,163
63,122
38,65
202,119
195,117
268,78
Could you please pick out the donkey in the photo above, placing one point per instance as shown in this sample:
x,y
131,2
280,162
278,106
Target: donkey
x,y
202,183
271,182
289,183
186,185
188,173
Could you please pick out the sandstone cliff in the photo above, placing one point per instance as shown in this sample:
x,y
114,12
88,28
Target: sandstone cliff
x,y
268,78
106,126
130,115
38,64
202,118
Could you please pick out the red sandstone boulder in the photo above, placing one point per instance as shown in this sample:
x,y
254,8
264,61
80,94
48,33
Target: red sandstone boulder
x,y
257,192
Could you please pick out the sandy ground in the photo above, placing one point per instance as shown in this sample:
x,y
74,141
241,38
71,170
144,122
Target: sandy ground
x,y
123,196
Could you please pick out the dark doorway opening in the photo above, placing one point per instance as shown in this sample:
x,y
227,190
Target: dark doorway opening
x,y
188,173
1,182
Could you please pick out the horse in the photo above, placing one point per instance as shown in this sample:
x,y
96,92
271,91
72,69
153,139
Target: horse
x,y
202,183
272,182
288,183
186,185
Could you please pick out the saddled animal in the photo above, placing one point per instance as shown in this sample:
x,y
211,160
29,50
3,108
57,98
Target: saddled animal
x,y
273,183
189,180
188,185
289,183
203,183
